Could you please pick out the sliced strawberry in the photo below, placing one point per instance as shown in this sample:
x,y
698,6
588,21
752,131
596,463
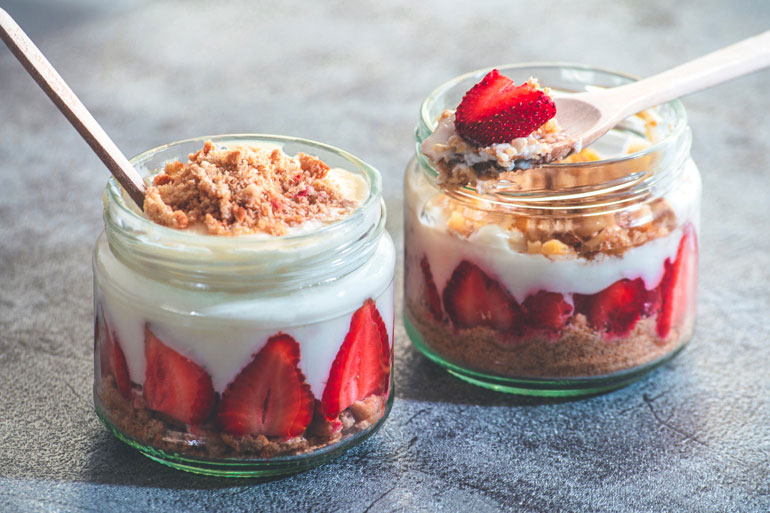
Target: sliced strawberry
x,y
471,298
269,396
102,343
546,311
362,365
111,358
677,288
431,292
615,309
497,111
175,385
118,364
323,427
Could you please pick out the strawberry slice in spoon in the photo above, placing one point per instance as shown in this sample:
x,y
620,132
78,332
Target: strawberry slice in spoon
x,y
497,111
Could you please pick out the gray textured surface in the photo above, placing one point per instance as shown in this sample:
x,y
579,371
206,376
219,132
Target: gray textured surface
x,y
692,436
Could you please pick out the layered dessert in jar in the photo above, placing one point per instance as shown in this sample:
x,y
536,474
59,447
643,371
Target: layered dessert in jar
x,y
563,279
244,318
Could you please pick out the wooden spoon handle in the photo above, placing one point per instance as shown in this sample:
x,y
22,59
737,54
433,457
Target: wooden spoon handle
x,y
732,61
73,109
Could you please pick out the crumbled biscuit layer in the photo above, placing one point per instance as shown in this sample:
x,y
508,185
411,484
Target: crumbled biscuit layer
x,y
576,351
244,190
567,235
133,419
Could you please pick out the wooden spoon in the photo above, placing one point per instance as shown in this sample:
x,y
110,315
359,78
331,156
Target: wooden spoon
x,y
587,116
73,109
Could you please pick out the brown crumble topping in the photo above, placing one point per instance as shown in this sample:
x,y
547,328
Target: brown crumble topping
x,y
244,190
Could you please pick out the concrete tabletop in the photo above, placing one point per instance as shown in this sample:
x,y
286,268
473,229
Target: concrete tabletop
x,y
693,435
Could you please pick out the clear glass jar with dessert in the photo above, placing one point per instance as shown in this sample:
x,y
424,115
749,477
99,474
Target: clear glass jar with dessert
x,y
251,354
567,279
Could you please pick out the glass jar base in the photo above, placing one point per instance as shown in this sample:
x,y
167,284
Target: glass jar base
x,y
243,467
539,387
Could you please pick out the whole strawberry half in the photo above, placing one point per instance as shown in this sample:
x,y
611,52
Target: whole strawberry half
x,y
472,298
362,365
431,292
269,396
497,111
677,288
175,385
112,361
616,309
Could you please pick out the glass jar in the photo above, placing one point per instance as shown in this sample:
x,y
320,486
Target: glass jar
x,y
214,354
569,279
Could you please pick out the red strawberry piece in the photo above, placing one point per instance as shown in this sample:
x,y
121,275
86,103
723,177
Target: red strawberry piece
x,y
269,396
472,298
497,111
111,358
615,309
546,311
653,302
362,365
118,364
175,385
102,343
677,288
431,292
321,426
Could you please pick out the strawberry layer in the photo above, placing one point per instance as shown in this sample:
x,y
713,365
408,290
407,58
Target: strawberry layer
x,y
525,274
222,331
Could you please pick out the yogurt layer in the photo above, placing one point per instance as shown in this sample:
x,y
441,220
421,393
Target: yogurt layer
x,y
221,331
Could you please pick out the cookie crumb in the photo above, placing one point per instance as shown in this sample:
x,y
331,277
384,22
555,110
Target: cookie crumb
x,y
133,418
244,190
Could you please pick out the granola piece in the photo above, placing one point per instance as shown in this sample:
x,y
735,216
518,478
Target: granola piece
x,y
369,409
244,190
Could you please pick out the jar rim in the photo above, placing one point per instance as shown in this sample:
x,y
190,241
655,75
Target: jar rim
x,y
245,261
677,128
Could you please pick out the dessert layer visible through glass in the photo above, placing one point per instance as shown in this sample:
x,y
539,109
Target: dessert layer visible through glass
x,y
568,279
244,355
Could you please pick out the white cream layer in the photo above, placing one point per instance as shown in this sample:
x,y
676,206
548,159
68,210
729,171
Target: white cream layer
x,y
222,331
